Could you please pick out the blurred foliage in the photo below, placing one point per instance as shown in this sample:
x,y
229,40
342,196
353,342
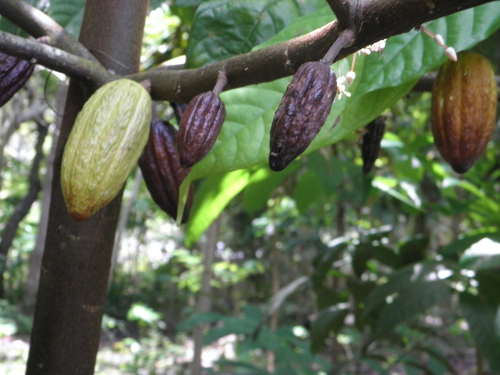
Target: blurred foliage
x,y
396,270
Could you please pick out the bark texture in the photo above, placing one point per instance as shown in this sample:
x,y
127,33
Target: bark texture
x,y
77,258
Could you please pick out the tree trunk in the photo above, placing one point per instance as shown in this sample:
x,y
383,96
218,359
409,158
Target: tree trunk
x,y
204,302
76,262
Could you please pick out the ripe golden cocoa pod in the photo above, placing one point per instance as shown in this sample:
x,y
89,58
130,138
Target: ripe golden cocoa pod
x,y
162,170
199,127
14,73
463,111
302,113
370,143
104,145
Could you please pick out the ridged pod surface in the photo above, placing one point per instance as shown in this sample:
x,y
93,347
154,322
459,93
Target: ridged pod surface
x,y
463,111
14,73
302,113
370,143
199,127
162,170
104,145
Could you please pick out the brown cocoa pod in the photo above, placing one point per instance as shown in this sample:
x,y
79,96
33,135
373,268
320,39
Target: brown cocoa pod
x,y
463,110
162,171
302,113
179,109
199,127
14,73
370,143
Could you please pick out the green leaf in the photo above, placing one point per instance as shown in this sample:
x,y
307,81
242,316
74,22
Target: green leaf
x,y
307,190
225,28
246,368
413,250
388,185
381,80
262,184
199,318
407,292
484,254
463,244
481,320
211,198
68,14
408,56
301,26
328,320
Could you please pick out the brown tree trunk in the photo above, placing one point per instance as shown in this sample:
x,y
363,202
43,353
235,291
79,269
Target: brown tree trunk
x,y
76,262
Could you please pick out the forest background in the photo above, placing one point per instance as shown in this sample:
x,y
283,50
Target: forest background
x,y
318,269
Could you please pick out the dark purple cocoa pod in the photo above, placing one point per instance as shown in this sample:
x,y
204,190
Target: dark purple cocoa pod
x,y
162,170
14,73
199,127
179,109
370,143
302,112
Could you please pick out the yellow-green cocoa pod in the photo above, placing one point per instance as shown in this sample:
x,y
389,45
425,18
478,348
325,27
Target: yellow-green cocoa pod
x,y
104,145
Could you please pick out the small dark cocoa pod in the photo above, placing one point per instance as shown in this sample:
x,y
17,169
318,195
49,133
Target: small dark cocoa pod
x,y
179,109
199,127
162,170
14,73
370,143
302,113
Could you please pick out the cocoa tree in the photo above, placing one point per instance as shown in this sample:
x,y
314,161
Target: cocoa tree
x,y
75,268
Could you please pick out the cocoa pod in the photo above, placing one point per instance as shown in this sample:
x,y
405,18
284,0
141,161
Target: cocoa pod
x,y
199,127
302,112
104,145
463,110
162,170
14,73
179,109
370,143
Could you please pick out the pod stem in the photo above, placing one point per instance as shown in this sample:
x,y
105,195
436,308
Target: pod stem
x,y
146,84
221,83
345,39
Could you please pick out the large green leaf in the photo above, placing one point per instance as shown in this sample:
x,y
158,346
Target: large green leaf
x,y
481,319
459,246
225,28
328,320
212,197
381,80
484,254
408,291
308,190
261,185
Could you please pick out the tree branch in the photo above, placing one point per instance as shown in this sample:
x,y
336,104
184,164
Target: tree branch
x,y
54,58
37,24
374,20
371,21
343,11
